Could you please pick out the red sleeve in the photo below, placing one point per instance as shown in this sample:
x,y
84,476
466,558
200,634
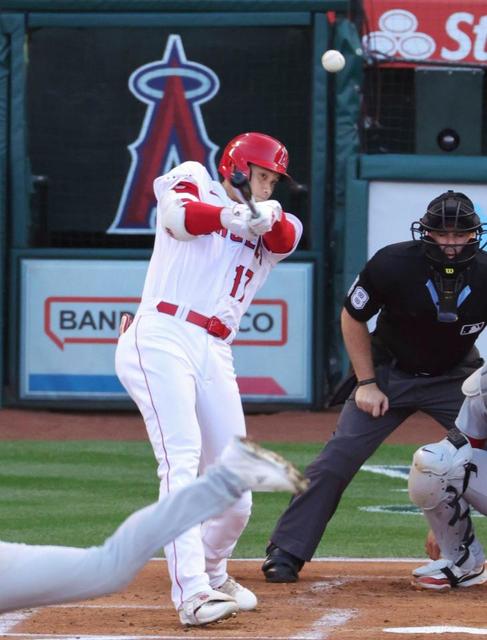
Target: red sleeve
x,y
186,187
280,239
477,443
200,218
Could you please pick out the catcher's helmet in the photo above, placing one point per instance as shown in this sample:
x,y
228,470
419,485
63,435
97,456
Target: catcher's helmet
x,y
450,211
253,148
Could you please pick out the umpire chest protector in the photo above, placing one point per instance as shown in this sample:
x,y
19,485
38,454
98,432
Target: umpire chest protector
x,y
398,284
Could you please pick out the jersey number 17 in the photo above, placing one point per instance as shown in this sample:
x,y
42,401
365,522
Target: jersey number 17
x,y
239,272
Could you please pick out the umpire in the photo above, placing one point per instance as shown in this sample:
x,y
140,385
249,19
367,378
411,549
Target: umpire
x,y
431,297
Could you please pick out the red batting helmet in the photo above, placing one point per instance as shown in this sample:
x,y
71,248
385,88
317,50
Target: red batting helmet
x,y
253,148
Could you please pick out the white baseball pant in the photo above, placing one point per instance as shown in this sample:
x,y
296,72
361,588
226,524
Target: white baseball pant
x,y
184,384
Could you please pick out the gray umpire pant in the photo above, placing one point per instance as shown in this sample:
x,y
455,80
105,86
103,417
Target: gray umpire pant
x,y
358,434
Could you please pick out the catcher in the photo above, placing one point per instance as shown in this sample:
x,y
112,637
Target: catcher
x,y
446,479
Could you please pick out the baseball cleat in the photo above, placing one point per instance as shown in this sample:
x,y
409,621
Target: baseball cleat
x,y
261,469
246,600
205,608
443,574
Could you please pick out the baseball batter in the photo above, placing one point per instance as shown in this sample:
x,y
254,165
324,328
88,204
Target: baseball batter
x,y
446,479
41,575
211,255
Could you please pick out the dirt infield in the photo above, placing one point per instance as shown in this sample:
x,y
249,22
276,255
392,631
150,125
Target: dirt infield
x,y
288,426
332,600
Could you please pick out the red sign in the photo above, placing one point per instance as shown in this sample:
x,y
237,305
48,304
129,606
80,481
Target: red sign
x,y
96,320
85,320
452,32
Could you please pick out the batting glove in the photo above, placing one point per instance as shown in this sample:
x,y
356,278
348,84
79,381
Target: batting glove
x,y
269,212
236,219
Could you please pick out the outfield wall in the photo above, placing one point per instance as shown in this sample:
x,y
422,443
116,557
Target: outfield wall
x,y
82,86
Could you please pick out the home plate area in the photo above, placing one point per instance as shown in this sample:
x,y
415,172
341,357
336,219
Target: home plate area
x,y
334,599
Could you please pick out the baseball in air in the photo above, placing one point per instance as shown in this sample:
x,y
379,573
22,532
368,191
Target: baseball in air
x,y
333,61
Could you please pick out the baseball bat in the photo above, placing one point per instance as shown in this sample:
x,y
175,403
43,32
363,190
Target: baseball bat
x,y
240,181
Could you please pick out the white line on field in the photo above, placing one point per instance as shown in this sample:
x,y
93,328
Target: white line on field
x,y
327,585
474,631
328,559
10,620
334,618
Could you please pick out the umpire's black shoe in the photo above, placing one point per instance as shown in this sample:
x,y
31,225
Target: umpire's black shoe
x,y
281,566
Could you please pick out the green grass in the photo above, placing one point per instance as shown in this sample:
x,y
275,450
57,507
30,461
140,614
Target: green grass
x,y
76,493
72,493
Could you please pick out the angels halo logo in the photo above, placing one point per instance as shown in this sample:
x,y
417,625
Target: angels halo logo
x,y
172,131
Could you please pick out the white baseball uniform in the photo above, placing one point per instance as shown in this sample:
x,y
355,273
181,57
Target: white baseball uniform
x,y
41,575
182,377
472,421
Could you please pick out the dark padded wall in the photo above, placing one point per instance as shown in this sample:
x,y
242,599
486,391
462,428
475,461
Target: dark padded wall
x,y
82,116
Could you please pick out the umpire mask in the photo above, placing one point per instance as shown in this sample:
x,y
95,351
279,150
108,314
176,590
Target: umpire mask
x,y
451,212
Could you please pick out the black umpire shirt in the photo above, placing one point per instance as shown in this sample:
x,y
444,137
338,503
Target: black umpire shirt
x,y
398,282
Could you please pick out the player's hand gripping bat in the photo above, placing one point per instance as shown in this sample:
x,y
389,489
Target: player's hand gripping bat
x,y
240,181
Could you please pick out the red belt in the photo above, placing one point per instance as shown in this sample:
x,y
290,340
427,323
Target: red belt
x,y
214,326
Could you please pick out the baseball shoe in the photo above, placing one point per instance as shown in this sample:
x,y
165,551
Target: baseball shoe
x,y
246,600
261,469
281,566
203,608
443,574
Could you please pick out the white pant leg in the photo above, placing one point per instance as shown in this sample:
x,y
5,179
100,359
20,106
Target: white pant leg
x,y
41,575
221,417
476,493
158,363
472,418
